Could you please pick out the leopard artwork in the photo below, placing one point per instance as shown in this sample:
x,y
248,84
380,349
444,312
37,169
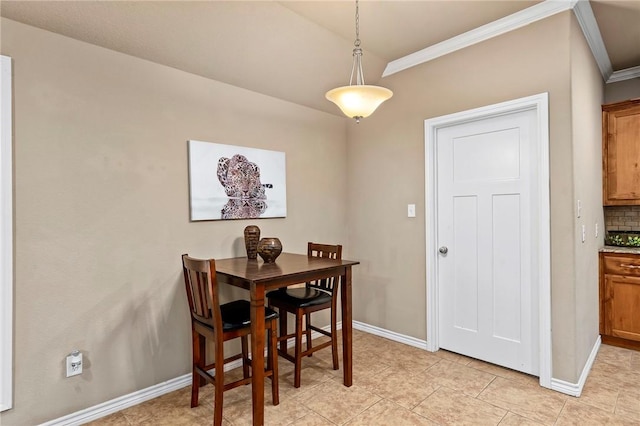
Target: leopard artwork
x,y
240,178
241,181
243,208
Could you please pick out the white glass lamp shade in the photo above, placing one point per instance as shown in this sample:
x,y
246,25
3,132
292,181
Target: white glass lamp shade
x,y
358,101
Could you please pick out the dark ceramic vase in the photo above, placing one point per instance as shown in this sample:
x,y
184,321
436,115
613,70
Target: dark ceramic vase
x,y
251,240
269,249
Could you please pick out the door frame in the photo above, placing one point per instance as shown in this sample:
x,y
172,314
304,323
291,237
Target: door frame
x,y
540,104
6,236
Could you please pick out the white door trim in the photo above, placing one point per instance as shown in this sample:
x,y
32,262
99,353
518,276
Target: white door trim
x,y
6,237
539,103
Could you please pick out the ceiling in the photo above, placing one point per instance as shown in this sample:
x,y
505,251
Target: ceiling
x,y
295,50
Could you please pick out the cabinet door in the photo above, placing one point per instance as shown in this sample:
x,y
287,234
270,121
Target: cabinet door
x,y
622,307
622,156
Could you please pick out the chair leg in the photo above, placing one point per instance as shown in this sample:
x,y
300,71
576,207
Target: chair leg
x,y
219,386
308,332
272,360
282,314
334,338
298,350
196,362
203,357
245,356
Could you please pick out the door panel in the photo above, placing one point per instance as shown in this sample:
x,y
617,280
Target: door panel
x,y
484,201
506,266
621,152
466,263
622,306
486,156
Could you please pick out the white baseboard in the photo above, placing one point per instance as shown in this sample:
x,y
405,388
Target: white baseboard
x,y
138,397
391,335
575,389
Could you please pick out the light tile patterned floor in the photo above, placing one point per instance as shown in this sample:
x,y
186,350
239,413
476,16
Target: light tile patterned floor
x,y
396,384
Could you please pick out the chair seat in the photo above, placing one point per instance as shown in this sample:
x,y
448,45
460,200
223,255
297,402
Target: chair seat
x,y
237,314
301,297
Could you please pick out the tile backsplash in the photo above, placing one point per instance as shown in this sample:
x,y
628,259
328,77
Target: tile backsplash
x,y
622,218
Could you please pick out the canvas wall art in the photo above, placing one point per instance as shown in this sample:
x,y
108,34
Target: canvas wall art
x,y
235,182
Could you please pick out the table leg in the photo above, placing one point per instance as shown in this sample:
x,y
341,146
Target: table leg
x,y
347,326
257,353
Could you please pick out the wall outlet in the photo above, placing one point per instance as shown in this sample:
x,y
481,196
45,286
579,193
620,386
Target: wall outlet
x,y
584,233
74,363
596,230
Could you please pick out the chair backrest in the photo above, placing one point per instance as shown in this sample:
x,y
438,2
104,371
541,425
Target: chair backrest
x,y
330,252
202,291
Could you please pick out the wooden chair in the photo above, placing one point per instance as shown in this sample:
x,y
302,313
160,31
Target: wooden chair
x,y
220,323
301,302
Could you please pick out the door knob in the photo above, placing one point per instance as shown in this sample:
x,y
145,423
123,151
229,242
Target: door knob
x,y
443,250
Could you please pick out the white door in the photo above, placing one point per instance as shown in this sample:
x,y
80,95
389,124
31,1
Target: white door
x,y
485,203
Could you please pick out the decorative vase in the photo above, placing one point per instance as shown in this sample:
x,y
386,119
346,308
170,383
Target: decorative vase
x,y
251,240
269,249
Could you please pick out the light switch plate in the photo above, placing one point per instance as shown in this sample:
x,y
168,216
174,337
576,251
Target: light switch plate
x,y
411,210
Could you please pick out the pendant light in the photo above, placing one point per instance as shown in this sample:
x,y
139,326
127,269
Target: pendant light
x,y
358,100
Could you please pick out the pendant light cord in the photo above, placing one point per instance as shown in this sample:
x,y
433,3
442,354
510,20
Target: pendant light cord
x,y
357,42
357,53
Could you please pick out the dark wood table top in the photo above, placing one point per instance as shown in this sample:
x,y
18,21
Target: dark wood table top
x,y
289,268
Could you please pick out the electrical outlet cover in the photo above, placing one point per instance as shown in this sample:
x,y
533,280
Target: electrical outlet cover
x,y
74,364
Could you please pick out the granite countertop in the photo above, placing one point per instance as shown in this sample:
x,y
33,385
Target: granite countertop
x,y
618,249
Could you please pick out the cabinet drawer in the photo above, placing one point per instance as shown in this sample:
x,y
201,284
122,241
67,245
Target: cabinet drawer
x,y
622,265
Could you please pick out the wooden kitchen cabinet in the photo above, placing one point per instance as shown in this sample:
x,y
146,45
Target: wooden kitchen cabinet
x,y
621,153
620,299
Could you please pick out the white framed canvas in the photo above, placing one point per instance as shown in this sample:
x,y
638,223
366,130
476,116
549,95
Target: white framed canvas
x,y
235,182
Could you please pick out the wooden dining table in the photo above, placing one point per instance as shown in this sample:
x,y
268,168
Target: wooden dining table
x,y
289,268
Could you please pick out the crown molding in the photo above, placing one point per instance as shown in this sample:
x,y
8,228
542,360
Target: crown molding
x,y
587,21
581,8
625,74
501,26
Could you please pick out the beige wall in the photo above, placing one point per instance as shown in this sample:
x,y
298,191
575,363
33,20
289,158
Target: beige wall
x,y
101,198
386,172
101,211
587,93
622,90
